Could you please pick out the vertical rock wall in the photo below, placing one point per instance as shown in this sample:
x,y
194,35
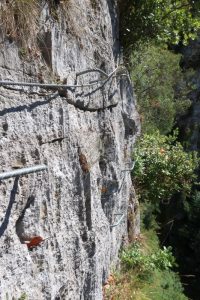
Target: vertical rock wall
x,y
85,136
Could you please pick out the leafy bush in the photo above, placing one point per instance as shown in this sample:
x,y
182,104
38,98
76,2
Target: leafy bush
x,y
134,257
160,85
162,167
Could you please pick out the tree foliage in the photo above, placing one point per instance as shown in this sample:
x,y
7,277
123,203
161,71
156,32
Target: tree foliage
x,y
163,167
160,85
164,20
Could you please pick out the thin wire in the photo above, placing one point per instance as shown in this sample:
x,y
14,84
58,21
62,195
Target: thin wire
x,y
128,170
168,233
92,70
45,85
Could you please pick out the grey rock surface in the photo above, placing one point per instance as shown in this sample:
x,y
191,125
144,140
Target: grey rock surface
x,y
85,136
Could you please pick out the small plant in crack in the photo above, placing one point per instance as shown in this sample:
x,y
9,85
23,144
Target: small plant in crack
x,y
22,52
23,297
94,4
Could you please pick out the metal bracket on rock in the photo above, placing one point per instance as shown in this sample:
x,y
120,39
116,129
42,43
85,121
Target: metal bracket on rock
x,y
119,221
130,169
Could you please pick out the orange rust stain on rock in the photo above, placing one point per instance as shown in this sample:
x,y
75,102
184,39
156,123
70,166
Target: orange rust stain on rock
x,y
83,162
34,242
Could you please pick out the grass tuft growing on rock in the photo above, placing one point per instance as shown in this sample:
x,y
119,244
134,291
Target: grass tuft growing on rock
x,y
19,20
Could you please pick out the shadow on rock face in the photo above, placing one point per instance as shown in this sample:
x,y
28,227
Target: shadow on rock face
x,y
5,222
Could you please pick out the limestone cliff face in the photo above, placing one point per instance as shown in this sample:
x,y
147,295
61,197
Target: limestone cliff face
x,y
85,136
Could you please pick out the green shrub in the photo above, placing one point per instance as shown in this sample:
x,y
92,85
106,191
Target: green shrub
x,y
133,257
23,297
162,167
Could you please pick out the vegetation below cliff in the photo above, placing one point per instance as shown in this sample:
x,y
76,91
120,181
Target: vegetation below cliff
x,y
164,174
146,273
